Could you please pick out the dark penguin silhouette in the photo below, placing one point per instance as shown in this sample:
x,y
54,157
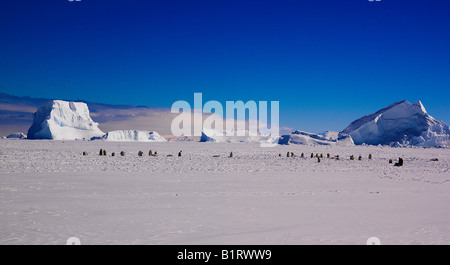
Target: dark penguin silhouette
x,y
399,163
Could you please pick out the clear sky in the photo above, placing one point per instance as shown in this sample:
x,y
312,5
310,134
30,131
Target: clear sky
x,y
328,62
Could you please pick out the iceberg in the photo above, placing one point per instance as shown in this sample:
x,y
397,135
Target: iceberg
x,y
400,124
17,135
63,120
306,138
132,136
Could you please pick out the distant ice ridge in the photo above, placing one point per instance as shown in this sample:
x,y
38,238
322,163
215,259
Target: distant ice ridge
x,y
306,138
296,137
17,135
232,136
400,124
63,120
132,136
331,135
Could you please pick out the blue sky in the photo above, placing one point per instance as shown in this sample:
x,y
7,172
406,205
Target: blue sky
x,y
328,62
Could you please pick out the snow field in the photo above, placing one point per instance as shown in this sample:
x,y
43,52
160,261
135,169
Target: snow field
x,y
50,192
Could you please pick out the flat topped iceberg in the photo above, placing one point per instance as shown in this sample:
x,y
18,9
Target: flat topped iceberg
x,y
133,136
63,120
401,123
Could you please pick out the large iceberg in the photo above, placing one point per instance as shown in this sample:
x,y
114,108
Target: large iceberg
x,y
400,124
63,120
133,136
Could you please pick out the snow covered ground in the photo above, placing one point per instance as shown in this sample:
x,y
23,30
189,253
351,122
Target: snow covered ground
x,y
50,192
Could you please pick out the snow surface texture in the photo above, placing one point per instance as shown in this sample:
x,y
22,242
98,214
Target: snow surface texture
x,y
305,138
63,120
133,136
50,192
400,124
17,135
